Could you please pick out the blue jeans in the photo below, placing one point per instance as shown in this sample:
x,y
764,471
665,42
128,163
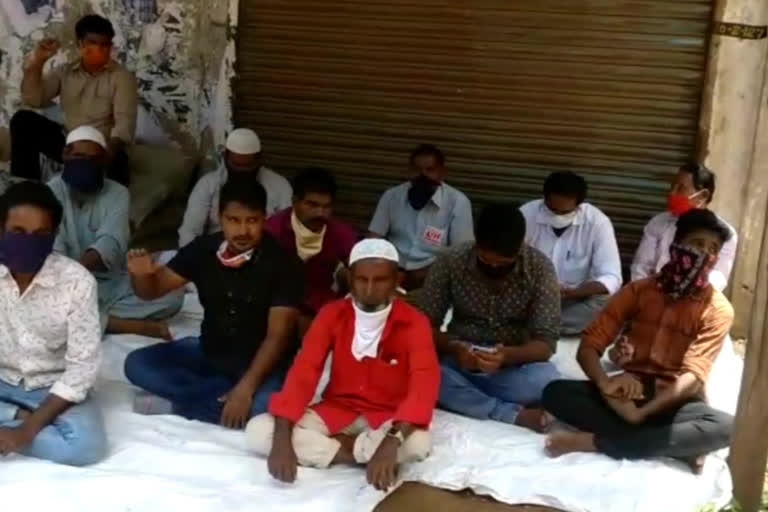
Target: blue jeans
x,y
179,372
497,396
75,438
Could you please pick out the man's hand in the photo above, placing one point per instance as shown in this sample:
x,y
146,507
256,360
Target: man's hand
x,y
627,409
46,49
282,462
465,357
622,352
237,407
490,362
381,471
623,386
14,440
140,263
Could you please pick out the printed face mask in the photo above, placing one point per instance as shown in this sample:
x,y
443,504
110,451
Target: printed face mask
x,y
687,271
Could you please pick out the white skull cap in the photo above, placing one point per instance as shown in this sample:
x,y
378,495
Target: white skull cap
x,y
89,133
243,141
373,248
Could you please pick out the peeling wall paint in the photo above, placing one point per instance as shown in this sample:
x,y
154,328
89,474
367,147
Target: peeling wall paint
x,y
182,52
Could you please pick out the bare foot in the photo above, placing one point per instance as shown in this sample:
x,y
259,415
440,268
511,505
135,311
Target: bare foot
x,y
23,414
696,464
156,329
534,419
346,452
562,443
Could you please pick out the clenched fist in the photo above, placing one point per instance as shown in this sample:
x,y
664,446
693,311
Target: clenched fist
x,y
140,263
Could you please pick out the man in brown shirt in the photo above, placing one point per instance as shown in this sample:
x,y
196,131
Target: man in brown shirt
x,y
94,91
676,326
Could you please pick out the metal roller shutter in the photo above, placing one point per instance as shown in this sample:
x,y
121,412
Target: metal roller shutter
x,y
510,90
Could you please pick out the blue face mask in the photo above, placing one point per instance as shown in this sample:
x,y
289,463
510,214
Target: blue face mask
x,y
83,175
25,253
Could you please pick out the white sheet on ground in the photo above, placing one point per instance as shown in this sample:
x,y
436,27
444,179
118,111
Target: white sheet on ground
x,y
159,463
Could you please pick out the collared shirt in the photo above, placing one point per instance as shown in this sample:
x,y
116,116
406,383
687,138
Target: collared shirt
x,y
420,235
670,337
653,251
50,335
321,268
100,223
107,100
237,301
523,306
586,251
202,215
400,384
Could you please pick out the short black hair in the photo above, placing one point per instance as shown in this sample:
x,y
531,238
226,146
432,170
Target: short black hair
x,y
314,180
566,183
703,178
245,191
428,150
31,193
94,24
698,219
500,228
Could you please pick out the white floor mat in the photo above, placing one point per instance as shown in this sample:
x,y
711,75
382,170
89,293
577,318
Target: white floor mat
x,y
160,463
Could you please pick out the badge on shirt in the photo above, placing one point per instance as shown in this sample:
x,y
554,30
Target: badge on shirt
x,y
434,236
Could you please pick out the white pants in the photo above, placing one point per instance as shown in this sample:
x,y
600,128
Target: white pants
x,y
315,448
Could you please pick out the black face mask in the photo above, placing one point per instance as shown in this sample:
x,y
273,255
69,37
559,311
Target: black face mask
x,y
492,271
421,191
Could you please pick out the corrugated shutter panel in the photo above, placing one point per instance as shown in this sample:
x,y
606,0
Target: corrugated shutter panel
x,y
510,89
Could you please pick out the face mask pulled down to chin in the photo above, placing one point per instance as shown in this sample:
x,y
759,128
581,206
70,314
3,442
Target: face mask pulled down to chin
x,y
562,221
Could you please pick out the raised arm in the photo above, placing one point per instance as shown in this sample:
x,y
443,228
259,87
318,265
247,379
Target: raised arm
x,y
149,280
37,91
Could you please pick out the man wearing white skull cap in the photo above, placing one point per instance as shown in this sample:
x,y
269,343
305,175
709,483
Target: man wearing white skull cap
x,y
242,160
95,231
378,404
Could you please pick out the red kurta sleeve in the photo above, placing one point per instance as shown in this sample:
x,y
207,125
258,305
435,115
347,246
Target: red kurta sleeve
x,y
300,384
423,376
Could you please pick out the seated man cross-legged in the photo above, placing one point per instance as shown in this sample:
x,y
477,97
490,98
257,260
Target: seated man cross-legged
x,y
580,241
505,325
95,231
250,290
50,342
677,322
383,387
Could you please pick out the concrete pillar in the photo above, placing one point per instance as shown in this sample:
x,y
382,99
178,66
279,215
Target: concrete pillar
x,y
730,111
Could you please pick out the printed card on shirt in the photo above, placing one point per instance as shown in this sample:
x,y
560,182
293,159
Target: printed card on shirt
x,y
434,236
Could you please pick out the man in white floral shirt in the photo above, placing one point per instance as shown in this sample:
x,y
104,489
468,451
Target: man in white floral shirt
x,y
50,339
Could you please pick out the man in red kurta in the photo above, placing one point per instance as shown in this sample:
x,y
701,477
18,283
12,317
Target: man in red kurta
x,y
322,242
383,388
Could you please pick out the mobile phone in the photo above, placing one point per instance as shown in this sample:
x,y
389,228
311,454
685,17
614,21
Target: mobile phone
x,y
484,348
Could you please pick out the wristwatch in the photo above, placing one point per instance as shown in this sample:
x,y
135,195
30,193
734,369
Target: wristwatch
x,y
397,434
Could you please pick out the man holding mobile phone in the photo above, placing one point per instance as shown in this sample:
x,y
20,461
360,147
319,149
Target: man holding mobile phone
x,y
506,321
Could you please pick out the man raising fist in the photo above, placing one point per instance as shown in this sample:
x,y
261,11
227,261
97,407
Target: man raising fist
x,y
94,90
250,290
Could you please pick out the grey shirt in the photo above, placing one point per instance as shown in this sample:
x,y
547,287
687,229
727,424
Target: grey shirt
x,y
524,305
420,235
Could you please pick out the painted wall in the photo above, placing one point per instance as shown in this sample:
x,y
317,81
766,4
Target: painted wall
x,y
182,52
